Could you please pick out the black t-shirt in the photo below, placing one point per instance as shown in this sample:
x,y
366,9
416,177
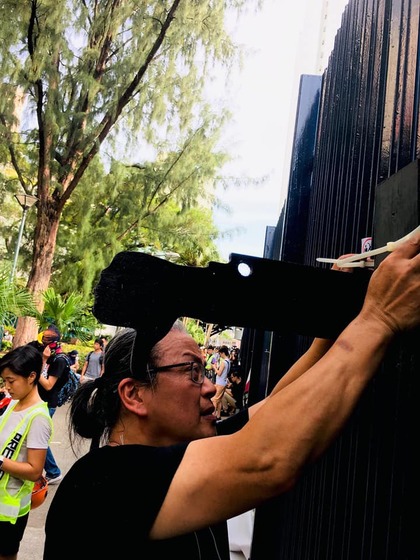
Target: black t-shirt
x,y
57,367
113,495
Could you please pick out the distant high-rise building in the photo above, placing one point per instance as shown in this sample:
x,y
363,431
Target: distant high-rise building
x,y
321,20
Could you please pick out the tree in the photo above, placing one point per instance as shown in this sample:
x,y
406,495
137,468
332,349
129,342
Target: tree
x,y
87,67
140,207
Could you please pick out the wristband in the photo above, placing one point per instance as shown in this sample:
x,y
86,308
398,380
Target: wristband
x,y
1,461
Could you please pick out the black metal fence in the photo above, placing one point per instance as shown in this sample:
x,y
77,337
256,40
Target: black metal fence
x,y
354,174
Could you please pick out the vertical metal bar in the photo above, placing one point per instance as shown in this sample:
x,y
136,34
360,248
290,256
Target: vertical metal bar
x,y
19,239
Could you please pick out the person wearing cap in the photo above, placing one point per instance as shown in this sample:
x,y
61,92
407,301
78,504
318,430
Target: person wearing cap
x,y
158,486
51,381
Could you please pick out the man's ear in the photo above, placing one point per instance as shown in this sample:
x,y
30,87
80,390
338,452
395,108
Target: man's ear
x,y
131,395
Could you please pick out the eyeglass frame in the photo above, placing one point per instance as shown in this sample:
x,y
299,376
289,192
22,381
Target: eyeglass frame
x,y
190,363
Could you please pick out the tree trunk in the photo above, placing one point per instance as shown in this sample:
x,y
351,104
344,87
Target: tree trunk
x,y
44,246
208,333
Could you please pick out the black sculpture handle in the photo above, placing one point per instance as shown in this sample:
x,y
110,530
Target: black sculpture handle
x,y
149,294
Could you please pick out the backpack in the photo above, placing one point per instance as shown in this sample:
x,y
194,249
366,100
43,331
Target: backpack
x,y
67,391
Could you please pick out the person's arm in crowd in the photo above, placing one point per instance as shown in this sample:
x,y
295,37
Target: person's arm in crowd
x,y
31,469
47,382
296,424
84,367
220,367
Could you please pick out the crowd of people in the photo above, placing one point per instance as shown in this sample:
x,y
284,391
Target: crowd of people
x,y
223,368
154,483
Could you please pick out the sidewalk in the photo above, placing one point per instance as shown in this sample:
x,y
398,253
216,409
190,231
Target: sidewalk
x,y
32,545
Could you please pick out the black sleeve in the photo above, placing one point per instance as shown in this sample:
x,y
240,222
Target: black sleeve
x,y
58,367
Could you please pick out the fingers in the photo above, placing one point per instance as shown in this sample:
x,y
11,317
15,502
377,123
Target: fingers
x,y
342,268
368,263
393,295
409,248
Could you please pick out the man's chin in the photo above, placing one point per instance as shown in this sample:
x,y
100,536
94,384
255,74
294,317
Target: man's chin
x,y
209,420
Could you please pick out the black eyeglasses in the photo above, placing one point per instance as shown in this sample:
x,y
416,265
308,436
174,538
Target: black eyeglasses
x,y
197,371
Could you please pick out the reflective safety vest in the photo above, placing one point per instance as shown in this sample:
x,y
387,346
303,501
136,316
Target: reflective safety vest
x,y
13,506
209,358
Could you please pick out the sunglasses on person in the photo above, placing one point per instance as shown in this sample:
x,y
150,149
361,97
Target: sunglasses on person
x,y
196,370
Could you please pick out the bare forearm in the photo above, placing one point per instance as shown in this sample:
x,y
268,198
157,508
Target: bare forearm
x,y
297,423
47,384
23,470
292,428
300,421
314,353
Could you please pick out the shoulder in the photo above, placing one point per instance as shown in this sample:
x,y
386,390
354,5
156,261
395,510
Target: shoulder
x,y
58,368
40,429
60,363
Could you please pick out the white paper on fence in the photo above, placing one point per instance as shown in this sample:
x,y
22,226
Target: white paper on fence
x,y
240,530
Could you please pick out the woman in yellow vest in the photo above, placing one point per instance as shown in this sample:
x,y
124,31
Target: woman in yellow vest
x,y
25,432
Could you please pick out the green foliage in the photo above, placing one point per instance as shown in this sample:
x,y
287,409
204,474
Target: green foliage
x,y
71,316
14,301
195,329
165,205
6,345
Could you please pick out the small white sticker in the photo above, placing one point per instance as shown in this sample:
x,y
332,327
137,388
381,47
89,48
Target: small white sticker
x,y
366,244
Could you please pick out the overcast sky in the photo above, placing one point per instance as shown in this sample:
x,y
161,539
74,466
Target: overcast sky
x,y
283,39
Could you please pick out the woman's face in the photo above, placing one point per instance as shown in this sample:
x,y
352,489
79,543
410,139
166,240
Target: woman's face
x,y
16,385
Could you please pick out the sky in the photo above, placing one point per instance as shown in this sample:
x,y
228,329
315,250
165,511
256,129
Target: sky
x,y
282,43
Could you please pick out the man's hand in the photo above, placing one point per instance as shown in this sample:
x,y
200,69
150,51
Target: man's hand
x,y
343,268
393,295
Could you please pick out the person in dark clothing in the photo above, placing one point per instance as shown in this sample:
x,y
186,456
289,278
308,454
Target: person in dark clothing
x,y
74,360
233,395
158,487
53,377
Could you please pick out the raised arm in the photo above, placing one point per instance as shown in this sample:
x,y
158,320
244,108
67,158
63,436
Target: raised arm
x,y
314,353
299,422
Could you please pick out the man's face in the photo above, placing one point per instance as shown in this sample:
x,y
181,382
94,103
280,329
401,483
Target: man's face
x,y
178,409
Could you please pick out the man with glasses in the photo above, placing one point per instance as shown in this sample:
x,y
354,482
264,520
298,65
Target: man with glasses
x,y
159,487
